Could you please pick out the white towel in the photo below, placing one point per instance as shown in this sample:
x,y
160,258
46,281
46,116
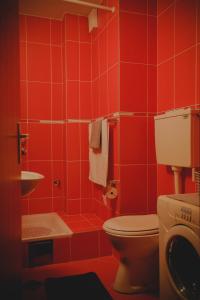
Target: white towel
x,y
99,160
95,136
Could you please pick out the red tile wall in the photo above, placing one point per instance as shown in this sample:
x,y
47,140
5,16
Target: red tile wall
x,y
105,91
42,89
55,58
78,89
138,84
71,74
178,69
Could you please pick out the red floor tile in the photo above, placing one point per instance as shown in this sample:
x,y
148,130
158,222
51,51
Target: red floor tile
x,y
105,267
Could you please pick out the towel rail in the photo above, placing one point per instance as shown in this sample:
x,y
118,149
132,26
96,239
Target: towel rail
x,y
113,117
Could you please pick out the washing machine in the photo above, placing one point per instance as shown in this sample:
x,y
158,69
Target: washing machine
x,y
179,246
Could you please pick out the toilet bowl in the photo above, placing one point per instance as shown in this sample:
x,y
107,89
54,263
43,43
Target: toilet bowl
x,y
135,238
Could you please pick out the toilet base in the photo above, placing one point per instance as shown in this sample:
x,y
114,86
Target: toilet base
x,y
124,285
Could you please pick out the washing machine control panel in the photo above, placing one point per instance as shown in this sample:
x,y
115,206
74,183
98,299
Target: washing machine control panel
x,y
186,213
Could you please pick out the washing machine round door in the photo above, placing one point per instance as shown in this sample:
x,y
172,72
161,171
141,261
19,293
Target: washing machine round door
x,y
183,261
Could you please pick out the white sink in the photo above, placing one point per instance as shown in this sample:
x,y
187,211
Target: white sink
x,y
29,181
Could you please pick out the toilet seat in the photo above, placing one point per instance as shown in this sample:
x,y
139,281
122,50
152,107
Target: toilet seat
x,y
140,225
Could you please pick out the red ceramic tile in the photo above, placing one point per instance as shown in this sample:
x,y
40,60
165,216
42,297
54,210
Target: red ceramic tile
x,y
133,150
188,184
38,30
58,142
57,64
38,62
163,4
105,247
69,219
86,186
58,175
73,180
58,204
165,180
23,100
73,99
133,189
39,101
84,132
56,32
73,142
152,40
85,100
87,205
44,188
103,95
166,34
95,98
90,216
114,145
85,36
151,141
72,59
71,28
134,6
113,89
81,226
73,207
57,102
185,17
152,188
185,78
152,7
61,250
166,86
152,89
95,59
85,61
102,18
97,223
133,46
133,87
22,61
103,211
37,206
102,52
91,250
22,28
113,41
39,141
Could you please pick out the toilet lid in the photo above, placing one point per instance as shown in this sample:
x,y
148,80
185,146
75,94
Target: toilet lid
x,y
133,225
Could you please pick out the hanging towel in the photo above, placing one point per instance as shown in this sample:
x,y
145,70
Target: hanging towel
x,y
98,161
95,136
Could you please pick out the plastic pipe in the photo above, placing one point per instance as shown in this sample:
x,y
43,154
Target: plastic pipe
x,y
177,179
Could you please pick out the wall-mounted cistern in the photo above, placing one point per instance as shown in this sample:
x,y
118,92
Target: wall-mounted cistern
x,y
177,137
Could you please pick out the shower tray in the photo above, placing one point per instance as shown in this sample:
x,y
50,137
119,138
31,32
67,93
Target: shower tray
x,y
46,226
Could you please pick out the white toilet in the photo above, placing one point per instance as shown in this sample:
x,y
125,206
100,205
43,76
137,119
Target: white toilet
x,y
136,240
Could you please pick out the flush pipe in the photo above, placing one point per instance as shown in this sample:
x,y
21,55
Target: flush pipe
x,y
177,179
